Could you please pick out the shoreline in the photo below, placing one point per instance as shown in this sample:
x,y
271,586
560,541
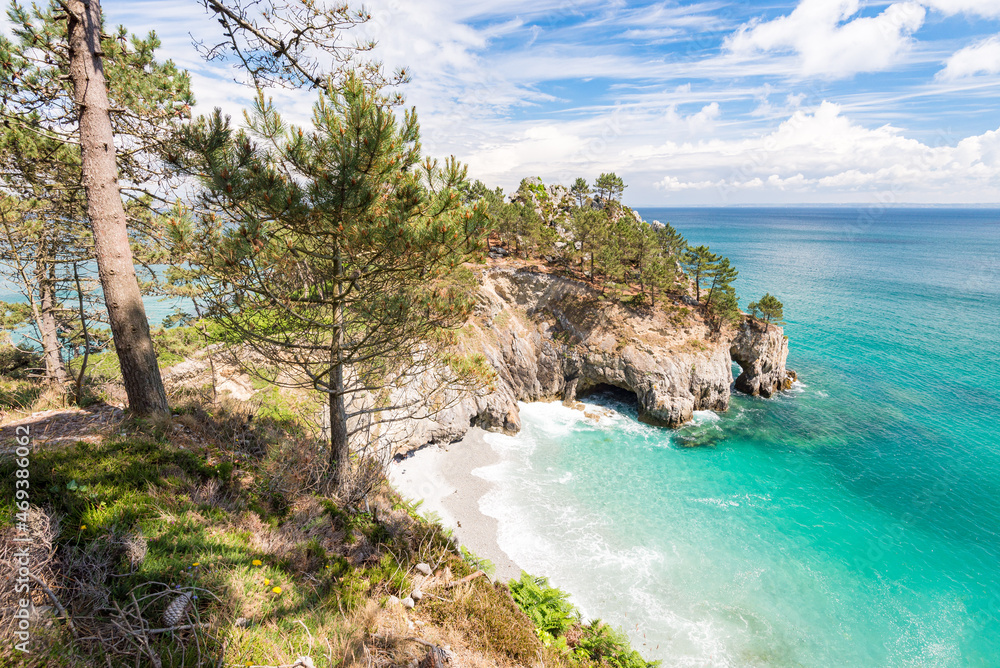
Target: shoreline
x,y
442,476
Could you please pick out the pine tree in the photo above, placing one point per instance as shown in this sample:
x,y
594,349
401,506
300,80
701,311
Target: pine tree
x,y
725,309
64,79
671,241
587,226
609,186
68,93
580,190
660,274
338,252
699,263
723,276
612,249
769,309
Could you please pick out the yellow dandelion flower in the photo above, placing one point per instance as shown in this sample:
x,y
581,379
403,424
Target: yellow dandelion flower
x,y
83,527
267,581
197,563
277,590
256,562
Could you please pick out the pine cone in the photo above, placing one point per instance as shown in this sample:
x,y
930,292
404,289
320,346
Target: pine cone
x,y
174,613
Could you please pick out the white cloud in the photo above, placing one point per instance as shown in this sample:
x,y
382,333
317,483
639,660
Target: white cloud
x,y
980,58
699,124
826,42
482,87
987,8
824,151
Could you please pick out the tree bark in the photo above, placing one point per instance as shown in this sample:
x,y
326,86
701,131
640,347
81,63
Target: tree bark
x,y
340,455
126,313
55,370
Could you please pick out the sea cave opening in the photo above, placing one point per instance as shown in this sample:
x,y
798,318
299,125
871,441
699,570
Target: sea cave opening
x,y
736,368
611,396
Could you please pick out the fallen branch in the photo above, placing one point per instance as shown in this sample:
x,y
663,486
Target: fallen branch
x,y
55,602
467,578
183,627
53,598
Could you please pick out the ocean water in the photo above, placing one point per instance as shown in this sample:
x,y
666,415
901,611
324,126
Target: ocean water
x,y
854,521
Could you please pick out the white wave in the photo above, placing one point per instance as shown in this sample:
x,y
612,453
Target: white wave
x,y
700,417
719,503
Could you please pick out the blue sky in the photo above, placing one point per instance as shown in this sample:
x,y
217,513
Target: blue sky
x,y
693,103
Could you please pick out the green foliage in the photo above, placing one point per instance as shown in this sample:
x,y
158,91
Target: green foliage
x,y
769,309
700,263
608,647
474,192
554,618
609,186
548,608
18,393
518,224
46,246
102,486
724,309
16,363
345,270
475,561
580,190
723,275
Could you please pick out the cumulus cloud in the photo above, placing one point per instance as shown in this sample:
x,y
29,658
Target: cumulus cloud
x,y
987,8
827,42
980,58
824,150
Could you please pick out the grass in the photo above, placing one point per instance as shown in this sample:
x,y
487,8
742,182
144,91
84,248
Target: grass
x,y
172,346
194,505
18,394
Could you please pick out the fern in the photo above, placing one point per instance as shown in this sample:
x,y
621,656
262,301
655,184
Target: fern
x,y
609,647
547,607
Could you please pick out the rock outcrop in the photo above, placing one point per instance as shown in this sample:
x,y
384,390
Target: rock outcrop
x,y
551,338
761,351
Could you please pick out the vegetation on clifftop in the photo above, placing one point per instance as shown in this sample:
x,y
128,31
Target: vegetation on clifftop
x,y
599,240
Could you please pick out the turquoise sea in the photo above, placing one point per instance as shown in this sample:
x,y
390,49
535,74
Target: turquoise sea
x,y
854,521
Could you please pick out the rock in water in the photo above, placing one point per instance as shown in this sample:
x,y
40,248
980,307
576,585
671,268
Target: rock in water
x,y
761,351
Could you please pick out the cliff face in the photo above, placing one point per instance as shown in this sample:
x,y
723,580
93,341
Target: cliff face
x,y
550,338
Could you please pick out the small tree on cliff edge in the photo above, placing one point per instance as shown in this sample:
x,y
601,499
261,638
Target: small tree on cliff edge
x,y
580,190
700,263
768,309
338,252
609,186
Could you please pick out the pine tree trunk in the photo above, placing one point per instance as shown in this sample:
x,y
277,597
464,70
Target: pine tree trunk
x,y
339,448
126,313
340,456
55,370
